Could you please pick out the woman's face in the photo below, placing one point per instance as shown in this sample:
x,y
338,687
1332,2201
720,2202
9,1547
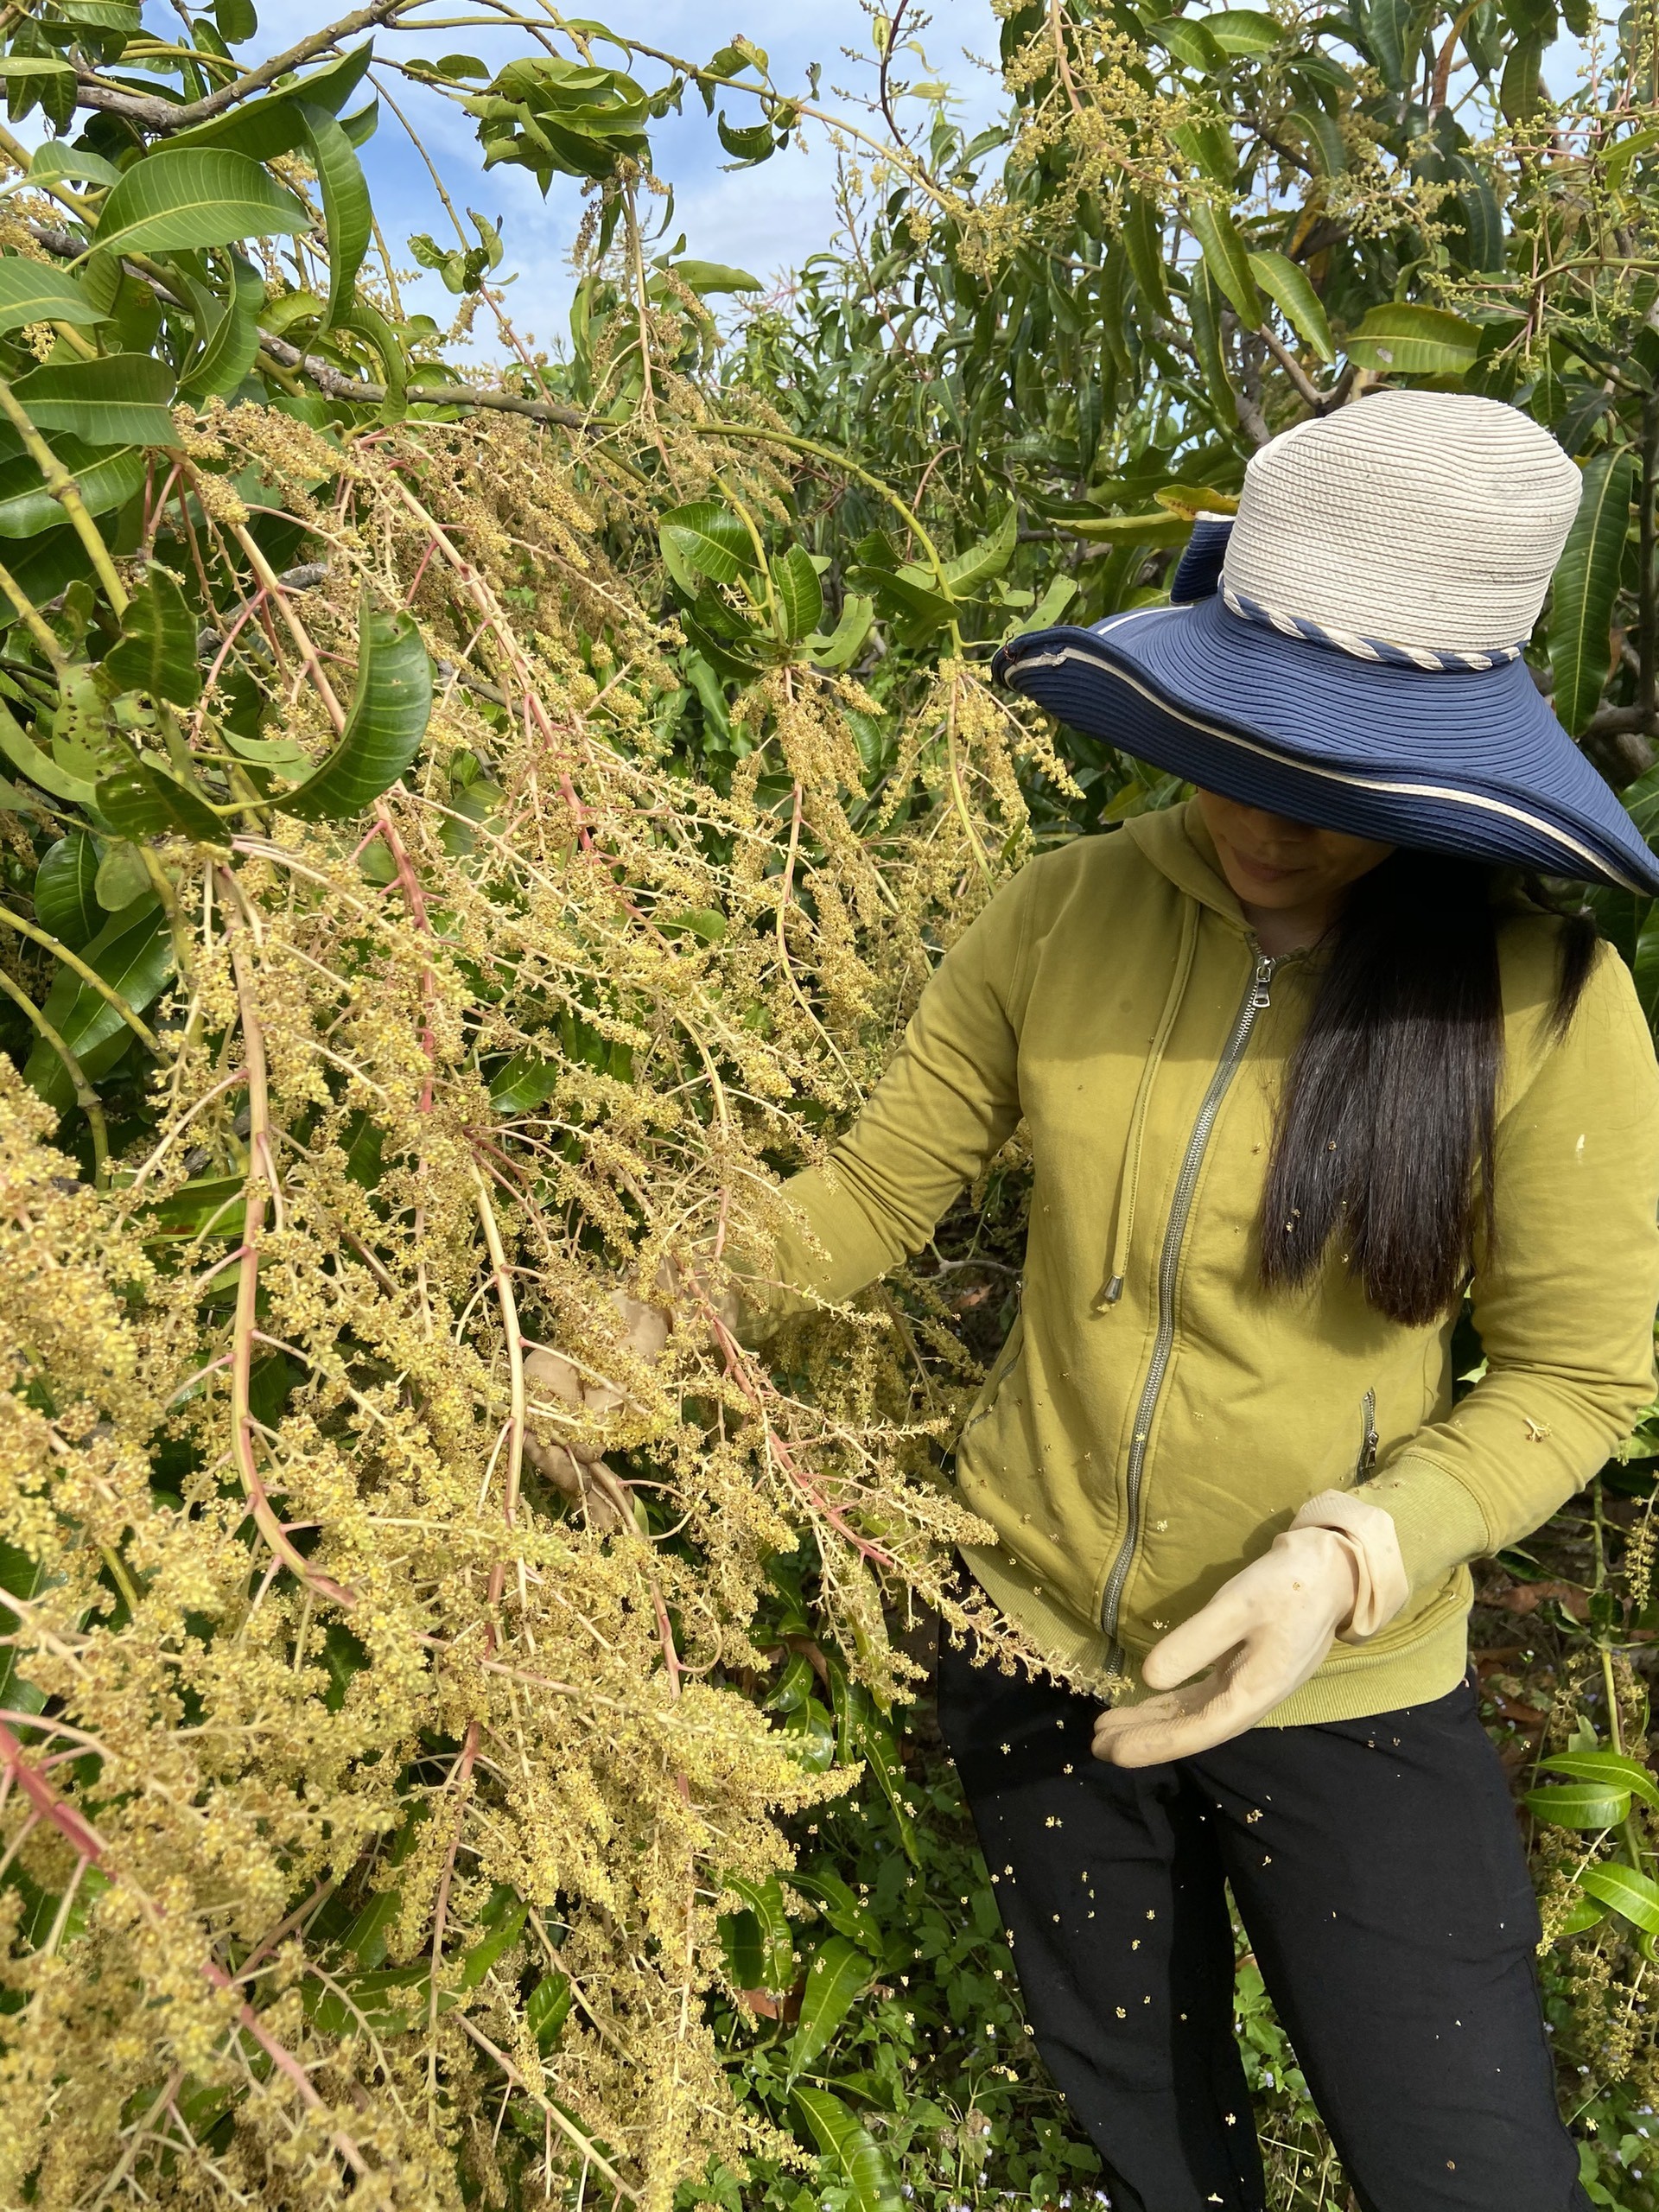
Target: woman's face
x,y
1279,866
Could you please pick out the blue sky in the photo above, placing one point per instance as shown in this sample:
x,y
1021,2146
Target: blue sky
x,y
765,221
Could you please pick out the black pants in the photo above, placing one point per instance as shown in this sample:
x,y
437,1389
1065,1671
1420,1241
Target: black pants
x,y
1378,1874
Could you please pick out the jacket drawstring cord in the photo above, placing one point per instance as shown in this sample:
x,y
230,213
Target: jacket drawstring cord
x,y
1130,1175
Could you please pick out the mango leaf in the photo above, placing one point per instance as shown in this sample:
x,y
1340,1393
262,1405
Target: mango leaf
x,y
105,482
232,340
799,595
237,21
840,648
1244,30
156,650
706,276
844,1910
766,1901
1159,528
182,198
133,952
56,159
1286,283
1585,587
346,211
122,877
547,2008
120,400
390,711
922,608
986,558
1225,257
525,1082
1582,1913
39,765
1522,87
1143,242
1049,608
850,2153
1611,1768
1389,29
65,900
704,539
32,292
1634,1896
142,801
739,1939
366,1939
839,1971
1189,40
1414,341
1572,1805
755,143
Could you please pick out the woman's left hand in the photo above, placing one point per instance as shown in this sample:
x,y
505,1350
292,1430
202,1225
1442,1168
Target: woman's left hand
x,y
1262,1635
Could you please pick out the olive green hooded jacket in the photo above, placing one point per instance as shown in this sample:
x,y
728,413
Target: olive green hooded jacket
x,y
1155,1417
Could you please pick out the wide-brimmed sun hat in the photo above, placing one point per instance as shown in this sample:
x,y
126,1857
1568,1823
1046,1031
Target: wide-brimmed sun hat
x,y
1346,650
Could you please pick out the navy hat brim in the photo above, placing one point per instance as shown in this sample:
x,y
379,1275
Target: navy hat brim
x,y
1457,760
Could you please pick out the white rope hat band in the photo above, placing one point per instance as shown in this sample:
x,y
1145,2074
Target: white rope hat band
x,y
1371,649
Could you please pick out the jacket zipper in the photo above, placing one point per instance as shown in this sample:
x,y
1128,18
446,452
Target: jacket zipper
x,y
1369,1439
1255,998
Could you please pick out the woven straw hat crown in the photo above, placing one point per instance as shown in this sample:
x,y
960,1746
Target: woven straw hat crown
x,y
1430,520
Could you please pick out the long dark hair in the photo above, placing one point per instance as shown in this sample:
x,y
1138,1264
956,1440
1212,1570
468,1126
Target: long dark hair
x,y
1384,1135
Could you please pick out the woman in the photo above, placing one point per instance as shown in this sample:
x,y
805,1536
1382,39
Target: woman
x,y
1298,1061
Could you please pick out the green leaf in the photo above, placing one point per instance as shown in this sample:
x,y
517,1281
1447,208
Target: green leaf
x,y
121,878
1049,608
840,648
1225,257
65,902
1159,528
985,559
705,539
799,595
156,650
120,400
1521,87
525,1082
133,952
766,1901
56,159
839,1971
105,483
704,276
750,146
1414,340
849,2151
1611,1768
1582,1913
39,765
180,199
1143,242
1572,1805
844,1910
740,1936
1286,283
1389,29
900,592
232,342
32,292
237,21
1188,40
143,801
1585,587
1244,30
345,211
1634,1896
547,2008
390,711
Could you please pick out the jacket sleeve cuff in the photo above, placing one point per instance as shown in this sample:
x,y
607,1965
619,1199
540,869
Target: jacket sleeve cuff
x,y
823,1249
1438,1523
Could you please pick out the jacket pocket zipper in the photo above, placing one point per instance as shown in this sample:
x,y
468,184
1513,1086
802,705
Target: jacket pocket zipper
x,y
1367,1466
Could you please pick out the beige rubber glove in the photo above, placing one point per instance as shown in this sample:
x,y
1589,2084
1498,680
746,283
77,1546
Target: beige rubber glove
x,y
578,1470
1336,1572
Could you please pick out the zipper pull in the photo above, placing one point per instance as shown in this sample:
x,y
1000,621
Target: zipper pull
x,y
1264,966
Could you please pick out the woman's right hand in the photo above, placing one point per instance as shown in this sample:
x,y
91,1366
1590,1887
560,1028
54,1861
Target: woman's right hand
x,y
578,1468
